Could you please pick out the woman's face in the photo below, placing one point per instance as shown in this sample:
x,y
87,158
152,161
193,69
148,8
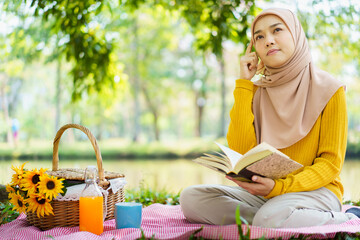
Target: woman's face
x,y
273,41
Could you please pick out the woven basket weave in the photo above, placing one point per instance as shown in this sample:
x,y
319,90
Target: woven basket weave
x,y
66,213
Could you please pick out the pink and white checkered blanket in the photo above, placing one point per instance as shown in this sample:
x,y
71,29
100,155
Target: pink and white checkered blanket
x,y
168,222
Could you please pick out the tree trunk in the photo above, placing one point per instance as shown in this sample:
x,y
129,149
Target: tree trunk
x,y
57,96
156,126
154,112
200,117
70,131
99,123
99,131
223,97
136,82
199,98
5,106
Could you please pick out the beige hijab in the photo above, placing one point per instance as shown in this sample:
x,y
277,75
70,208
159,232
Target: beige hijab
x,y
291,97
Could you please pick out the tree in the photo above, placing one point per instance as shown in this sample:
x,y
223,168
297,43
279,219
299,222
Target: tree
x,y
10,83
212,22
332,31
195,72
153,37
147,40
11,74
79,34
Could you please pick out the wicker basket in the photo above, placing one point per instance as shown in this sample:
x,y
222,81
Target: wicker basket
x,y
66,213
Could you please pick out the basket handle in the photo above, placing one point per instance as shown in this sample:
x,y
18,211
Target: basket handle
x,y
55,162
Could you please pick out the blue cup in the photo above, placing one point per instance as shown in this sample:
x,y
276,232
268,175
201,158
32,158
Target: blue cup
x,y
128,215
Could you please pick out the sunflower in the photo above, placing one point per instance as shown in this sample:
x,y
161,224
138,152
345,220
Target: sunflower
x,y
31,180
39,204
10,188
50,186
18,175
18,201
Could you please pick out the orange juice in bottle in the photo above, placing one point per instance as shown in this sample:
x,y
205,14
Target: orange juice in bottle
x,y
91,204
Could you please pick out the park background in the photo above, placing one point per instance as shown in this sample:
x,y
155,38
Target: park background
x,y
152,80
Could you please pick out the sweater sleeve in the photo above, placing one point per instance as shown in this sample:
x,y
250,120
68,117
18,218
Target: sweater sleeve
x,y
330,156
241,133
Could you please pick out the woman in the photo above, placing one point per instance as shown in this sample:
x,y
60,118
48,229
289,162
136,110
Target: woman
x,y
297,108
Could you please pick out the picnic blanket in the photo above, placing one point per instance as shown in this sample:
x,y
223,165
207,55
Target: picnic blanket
x,y
168,222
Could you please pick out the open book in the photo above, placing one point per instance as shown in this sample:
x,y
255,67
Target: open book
x,y
262,160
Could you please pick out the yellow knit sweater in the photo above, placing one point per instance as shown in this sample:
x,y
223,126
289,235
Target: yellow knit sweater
x,y
322,151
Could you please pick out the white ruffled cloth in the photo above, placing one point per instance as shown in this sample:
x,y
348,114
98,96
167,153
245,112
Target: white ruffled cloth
x,y
73,192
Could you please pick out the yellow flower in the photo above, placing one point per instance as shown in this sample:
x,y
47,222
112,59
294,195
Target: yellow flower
x,y
18,201
10,188
39,204
18,175
31,180
50,186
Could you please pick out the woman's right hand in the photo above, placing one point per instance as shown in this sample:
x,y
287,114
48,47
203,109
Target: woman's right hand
x,y
248,63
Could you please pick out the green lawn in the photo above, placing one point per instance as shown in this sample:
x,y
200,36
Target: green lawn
x,y
112,148
122,148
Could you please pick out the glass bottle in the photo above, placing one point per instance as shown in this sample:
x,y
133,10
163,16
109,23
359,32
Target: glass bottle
x,y
91,204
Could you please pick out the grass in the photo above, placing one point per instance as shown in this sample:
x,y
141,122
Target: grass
x,y
147,196
121,149
6,212
110,148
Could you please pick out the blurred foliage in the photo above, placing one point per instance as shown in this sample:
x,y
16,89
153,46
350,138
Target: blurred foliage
x,y
110,149
6,213
353,149
80,29
331,26
77,34
146,196
171,48
212,21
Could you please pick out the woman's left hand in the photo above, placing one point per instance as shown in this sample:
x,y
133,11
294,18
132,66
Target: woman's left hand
x,y
260,186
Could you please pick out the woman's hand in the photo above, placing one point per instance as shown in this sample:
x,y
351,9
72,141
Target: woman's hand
x,y
248,63
260,186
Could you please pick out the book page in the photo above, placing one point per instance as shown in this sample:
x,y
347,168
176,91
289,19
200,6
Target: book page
x,y
217,166
231,154
213,158
250,159
262,147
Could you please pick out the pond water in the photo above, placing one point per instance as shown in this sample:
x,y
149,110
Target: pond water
x,y
171,175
